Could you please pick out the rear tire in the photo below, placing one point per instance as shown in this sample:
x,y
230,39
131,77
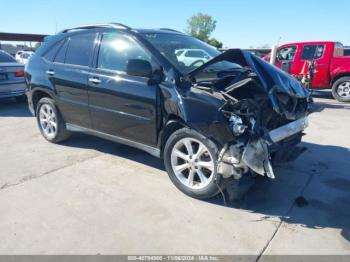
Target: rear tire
x,y
193,171
50,121
341,89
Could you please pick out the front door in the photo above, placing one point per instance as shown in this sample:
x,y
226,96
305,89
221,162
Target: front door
x,y
120,104
285,58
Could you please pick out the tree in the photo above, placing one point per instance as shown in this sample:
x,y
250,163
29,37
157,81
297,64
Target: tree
x,y
214,42
37,45
201,26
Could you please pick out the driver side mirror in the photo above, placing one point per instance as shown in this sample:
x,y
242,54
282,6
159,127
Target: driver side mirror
x,y
139,67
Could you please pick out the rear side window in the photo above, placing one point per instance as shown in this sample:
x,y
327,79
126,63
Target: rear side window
x,y
312,52
116,49
5,58
51,53
80,49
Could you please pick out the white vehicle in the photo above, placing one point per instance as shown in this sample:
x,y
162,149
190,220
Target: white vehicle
x,y
18,54
23,56
191,57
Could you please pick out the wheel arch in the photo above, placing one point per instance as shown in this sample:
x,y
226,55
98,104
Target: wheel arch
x,y
173,124
338,76
38,94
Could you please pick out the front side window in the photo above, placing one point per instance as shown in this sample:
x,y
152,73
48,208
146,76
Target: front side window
x,y
311,52
286,53
116,49
80,49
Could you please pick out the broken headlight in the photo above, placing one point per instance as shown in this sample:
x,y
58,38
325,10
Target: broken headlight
x,y
236,124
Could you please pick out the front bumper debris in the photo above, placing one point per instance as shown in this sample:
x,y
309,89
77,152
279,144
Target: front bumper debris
x,y
288,130
256,154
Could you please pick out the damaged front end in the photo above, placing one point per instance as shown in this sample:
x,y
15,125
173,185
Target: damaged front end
x,y
266,110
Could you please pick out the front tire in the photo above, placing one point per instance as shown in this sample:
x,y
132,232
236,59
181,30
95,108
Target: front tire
x,y
191,162
341,89
50,121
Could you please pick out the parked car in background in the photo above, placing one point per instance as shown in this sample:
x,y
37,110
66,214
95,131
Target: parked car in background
x,y
332,68
23,56
192,56
18,53
12,82
213,124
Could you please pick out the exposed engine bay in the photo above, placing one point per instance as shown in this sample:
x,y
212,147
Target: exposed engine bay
x,y
266,109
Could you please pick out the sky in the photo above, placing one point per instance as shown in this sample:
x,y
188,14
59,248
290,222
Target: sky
x,y
240,24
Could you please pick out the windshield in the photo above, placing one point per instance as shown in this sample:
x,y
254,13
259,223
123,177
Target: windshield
x,y
5,58
186,53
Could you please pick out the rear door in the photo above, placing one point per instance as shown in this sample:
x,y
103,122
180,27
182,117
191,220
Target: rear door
x,y
316,52
69,75
120,104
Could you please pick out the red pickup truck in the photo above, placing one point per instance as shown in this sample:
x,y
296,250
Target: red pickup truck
x,y
332,68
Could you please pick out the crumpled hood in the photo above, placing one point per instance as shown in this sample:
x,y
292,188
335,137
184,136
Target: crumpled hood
x,y
271,77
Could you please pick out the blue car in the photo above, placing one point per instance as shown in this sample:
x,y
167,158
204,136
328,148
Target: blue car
x,y
12,82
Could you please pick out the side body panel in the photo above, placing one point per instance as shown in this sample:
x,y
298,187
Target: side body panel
x,y
70,84
340,66
124,106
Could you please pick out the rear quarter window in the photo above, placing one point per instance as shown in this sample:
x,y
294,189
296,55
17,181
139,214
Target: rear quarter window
x,y
5,58
80,49
61,55
52,51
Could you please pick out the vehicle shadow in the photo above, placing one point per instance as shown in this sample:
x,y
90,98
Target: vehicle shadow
x,y
326,94
313,191
80,140
9,107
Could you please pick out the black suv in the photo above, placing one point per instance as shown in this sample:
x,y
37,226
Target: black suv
x,y
212,122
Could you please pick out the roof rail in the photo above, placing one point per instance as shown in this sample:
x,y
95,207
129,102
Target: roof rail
x,y
169,29
107,25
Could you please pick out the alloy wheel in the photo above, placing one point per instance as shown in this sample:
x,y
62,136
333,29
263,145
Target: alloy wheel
x,y
192,163
48,121
343,90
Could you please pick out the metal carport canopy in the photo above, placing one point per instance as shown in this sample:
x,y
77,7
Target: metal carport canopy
x,y
21,37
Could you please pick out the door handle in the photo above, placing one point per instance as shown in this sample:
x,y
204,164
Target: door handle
x,y
95,80
50,72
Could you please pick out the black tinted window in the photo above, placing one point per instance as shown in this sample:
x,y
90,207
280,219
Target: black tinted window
x,y
51,53
61,55
80,49
5,58
116,50
312,52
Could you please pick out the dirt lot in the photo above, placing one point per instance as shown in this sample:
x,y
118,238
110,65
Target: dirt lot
x,y
90,196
